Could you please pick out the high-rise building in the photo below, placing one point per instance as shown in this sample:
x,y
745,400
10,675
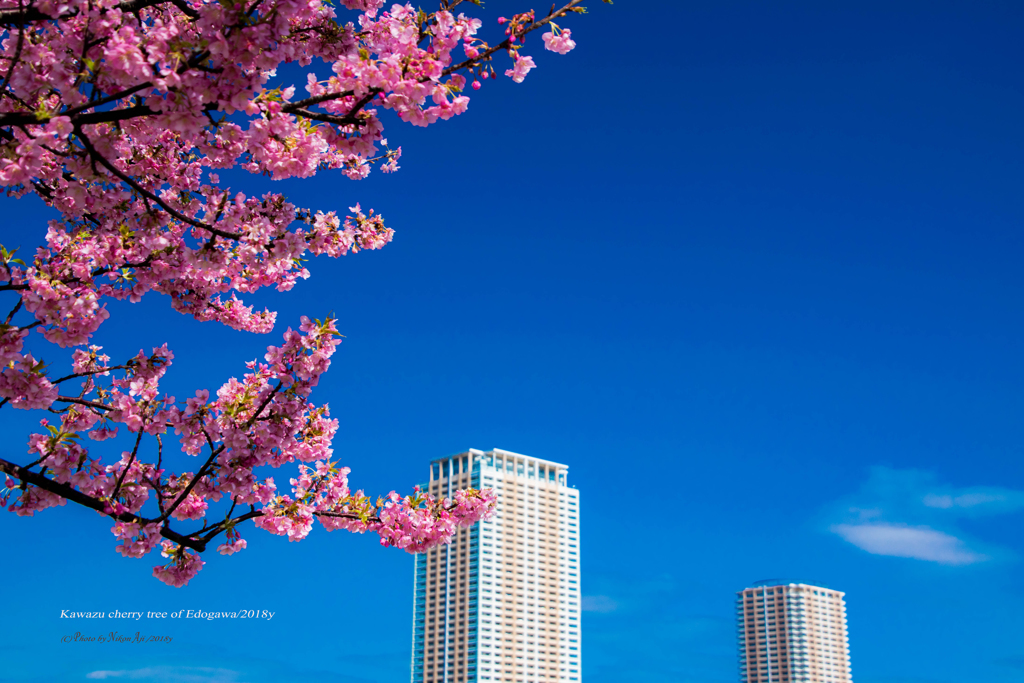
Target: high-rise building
x,y
792,632
501,602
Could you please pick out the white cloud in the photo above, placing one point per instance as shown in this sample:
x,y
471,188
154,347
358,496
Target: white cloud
x,y
911,513
170,674
1006,501
935,501
900,540
599,603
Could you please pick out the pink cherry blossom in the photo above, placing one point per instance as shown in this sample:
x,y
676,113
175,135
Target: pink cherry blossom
x,y
182,566
521,68
560,43
119,117
24,384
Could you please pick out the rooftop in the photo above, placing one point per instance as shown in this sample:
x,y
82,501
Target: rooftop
x,y
508,455
767,583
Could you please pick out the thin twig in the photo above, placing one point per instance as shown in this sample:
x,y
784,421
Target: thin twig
x,y
131,459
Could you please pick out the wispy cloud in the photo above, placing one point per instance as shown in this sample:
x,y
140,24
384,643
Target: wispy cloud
x,y
169,674
987,501
909,513
1012,662
599,603
918,542
621,595
643,628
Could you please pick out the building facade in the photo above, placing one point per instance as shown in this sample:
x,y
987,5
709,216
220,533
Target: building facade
x,y
792,632
501,602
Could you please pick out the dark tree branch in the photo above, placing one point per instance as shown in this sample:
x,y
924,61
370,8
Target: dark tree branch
x,y
20,118
347,120
214,452
128,180
89,372
219,528
76,496
124,472
15,58
507,43
83,402
266,401
10,316
310,101
300,106
20,17
192,484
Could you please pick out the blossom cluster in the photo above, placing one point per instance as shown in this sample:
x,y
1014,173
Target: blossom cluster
x,y
120,115
264,418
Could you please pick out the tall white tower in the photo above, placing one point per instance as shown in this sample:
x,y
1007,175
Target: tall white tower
x,y
502,601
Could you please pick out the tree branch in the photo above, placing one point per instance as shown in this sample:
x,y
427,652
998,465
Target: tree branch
x,y
192,483
21,118
128,180
310,101
347,120
507,43
20,17
76,496
124,472
15,58
88,373
83,402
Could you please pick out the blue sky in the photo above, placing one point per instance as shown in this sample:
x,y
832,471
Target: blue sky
x,y
752,270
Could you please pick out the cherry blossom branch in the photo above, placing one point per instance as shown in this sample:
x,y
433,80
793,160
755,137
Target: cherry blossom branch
x,y
507,43
346,120
10,316
15,59
128,180
83,402
124,134
76,113
88,373
20,17
310,101
192,482
75,496
300,106
131,459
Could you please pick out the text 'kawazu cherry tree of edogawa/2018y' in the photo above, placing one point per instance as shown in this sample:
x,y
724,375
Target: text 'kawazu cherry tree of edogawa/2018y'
x,y
118,115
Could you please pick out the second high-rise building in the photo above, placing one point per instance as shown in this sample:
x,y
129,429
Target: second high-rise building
x,y
502,601
792,632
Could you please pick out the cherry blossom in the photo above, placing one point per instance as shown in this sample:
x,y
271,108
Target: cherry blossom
x,y
560,42
119,116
